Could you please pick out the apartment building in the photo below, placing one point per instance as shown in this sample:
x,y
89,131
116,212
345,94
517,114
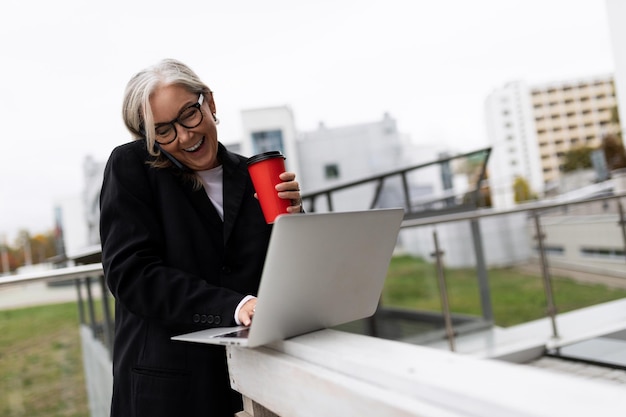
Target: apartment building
x,y
513,137
571,114
532,127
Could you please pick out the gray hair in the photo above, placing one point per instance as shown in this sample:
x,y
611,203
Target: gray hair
x,y
136,110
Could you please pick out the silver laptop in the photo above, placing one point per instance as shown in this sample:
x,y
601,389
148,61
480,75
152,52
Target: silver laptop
x,y
321,270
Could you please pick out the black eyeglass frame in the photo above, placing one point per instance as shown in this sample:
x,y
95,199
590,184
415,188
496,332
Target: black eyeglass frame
x,y
171,123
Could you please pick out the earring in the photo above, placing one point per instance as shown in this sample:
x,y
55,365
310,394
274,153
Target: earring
x,y
215,119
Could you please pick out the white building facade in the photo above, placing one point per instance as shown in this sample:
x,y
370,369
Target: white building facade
x,y
531,128
327,157
515,151
616,10
270,129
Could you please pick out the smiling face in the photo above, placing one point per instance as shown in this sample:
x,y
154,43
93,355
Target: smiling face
x,y
194,147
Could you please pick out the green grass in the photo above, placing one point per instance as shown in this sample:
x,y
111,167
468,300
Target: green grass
x,y
41,368
41,372
516,297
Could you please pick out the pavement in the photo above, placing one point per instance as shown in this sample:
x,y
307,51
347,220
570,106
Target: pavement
x,y
38,293
618,280
581,370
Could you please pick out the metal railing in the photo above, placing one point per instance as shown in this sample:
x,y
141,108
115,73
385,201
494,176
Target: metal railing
x,y
94,298
96,313
447,202
534,211
86,279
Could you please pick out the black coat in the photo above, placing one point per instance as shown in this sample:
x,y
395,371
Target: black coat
x,y
174,267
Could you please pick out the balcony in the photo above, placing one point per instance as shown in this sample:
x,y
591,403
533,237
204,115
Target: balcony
x,y
417,359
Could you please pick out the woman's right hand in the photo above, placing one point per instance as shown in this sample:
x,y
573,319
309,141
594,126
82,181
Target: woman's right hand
x,y
246,312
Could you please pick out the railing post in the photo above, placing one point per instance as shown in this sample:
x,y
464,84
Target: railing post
x,y
107,320
312,207
443,292
379,188
81,306
545,273
90,306
622,223
329,200
405,189
481,271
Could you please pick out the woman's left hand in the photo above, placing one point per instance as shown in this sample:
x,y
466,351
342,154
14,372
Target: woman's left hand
x,y
290,189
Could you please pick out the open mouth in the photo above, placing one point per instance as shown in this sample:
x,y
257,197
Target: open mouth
x,y
196,146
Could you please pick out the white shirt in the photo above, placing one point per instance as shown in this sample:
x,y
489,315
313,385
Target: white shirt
x,y
213,182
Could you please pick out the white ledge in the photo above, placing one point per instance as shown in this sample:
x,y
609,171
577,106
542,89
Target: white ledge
x,y
331,373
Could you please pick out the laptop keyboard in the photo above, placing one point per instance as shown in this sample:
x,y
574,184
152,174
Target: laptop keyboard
x,y
243,333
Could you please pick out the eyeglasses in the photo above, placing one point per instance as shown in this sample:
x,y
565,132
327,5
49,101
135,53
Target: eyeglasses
x,y
188,118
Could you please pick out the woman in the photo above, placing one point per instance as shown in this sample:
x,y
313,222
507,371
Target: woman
x,y
183,245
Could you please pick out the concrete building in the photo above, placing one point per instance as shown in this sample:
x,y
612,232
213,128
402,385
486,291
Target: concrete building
x,y
512,135
329,156
270,129
569,115
532,127
616,10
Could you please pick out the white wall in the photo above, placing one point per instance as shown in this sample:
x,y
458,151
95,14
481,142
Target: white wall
x,y
616,10
504,239
271,118
573,233
512,135
73,223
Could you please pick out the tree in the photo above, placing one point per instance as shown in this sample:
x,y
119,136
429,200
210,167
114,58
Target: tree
x,y
43,247
614,152
30,249
522,191
577,158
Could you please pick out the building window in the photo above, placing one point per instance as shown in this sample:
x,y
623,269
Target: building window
x,y
552,250
268,140
604,253
331,171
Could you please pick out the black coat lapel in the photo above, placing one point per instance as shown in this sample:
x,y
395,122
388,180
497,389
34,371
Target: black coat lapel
x,y
207,213
235,179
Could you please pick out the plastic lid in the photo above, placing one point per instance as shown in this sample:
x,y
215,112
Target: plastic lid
x,y
265,155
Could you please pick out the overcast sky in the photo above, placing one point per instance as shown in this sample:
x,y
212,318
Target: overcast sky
x,y
430,64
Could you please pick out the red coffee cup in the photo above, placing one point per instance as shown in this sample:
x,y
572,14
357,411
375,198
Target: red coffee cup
x,y
264,170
